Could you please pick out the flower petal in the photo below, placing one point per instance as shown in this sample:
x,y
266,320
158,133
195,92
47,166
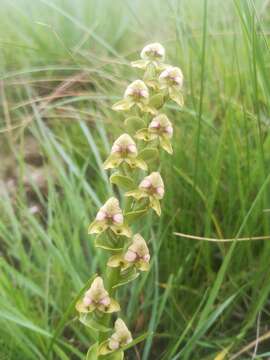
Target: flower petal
x,y
137,194
113,307
115,261
140,64
112,161
122,105
97,227
176,96
166,144
155,205
122,230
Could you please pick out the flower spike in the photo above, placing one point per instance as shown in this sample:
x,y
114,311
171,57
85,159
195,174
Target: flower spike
x,y
143,99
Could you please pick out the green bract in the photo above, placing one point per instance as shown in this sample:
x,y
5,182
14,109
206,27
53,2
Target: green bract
x,y
129,255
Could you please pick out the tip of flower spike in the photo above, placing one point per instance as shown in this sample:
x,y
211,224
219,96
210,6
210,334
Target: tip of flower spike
x,y
154,52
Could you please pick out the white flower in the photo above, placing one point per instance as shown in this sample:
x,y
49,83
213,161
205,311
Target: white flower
x,y
137,91
138,253
154,52
172,76
110,216
153,185
121,336
161,125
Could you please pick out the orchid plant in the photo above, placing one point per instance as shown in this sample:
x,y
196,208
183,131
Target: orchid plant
x,y
128,253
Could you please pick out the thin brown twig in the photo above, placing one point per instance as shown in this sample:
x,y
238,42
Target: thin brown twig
x,y
251,345
222,240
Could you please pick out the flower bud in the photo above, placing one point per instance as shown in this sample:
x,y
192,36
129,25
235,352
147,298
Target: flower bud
x,y
121,336
153,52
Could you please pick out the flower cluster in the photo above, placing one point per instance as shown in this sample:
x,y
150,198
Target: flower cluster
x,y
148,131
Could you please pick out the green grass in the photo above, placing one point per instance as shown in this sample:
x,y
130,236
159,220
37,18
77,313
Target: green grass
x,y
199,297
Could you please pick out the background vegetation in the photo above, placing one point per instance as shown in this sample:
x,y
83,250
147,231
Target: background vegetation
x,y
63,63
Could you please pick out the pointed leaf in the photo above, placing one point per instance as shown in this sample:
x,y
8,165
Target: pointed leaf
x,y
148,154
177,96
166,144
104,243
135,215
134,123
157,101
140,64
124,182
90,321
116,355
137,341
122,105
130,275
92,353
155,205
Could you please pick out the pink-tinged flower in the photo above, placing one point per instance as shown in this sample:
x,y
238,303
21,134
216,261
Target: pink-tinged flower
x,y
110,216
152,57
97,298
124,150
151,187
171,80
136,94
138,253
120,337
153,52
159,128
